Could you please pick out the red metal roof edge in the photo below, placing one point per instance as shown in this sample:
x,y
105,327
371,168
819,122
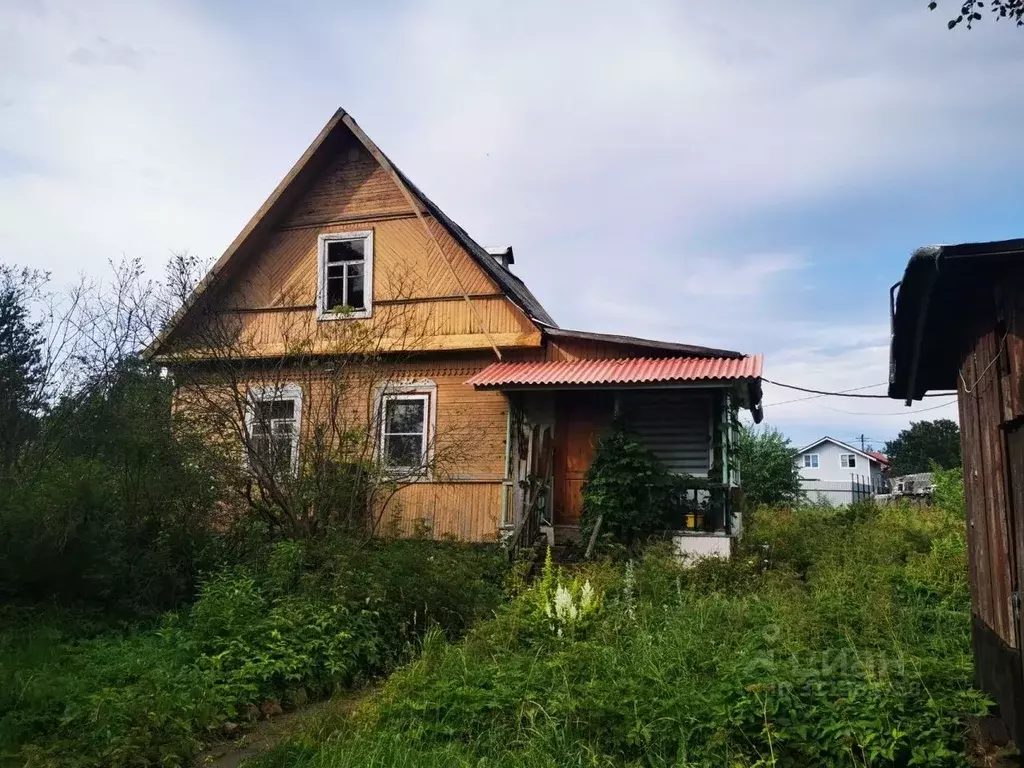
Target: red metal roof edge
x,y
628,370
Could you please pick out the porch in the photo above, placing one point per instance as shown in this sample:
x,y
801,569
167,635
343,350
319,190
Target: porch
x,y
684,410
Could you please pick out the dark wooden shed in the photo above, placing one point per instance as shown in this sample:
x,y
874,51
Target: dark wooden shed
x,y
958,323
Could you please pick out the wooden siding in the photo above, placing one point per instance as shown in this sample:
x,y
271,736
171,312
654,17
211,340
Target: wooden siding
x,y
352,183
419,296
467,511
464,496
985,402
991,403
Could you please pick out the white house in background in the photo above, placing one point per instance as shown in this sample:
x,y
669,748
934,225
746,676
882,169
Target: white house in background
x,y
835,473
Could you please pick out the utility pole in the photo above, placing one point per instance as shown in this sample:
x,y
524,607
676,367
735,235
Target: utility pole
x,y
862,442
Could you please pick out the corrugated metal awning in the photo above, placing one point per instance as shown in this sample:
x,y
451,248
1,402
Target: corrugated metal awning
x,y
633,370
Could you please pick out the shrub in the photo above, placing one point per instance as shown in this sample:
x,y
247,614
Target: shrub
x,y
768,465
628,488
115,508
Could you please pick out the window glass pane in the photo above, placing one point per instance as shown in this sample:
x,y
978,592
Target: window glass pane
x,y
404,416
345,250
335,293
355,292
267,410
403,450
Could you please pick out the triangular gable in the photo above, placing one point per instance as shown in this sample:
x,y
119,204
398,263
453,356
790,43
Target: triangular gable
x,y
295,181
841,444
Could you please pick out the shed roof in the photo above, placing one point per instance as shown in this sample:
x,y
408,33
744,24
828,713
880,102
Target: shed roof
x,y
930,312
631,370
626,372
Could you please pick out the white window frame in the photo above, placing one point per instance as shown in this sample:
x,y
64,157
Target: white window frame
x,y
323,312
811,461
426,391
285,392
852,460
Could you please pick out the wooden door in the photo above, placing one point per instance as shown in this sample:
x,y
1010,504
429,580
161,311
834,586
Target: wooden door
x,y
580,418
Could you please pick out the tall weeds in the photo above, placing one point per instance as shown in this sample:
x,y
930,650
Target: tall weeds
x,y
851,646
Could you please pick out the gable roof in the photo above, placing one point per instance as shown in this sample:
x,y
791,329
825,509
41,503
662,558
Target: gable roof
x,y
283,195
841,444
511,285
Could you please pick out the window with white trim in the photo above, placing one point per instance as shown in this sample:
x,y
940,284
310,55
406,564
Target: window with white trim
x,y
272,421
847,460
345,274
810,461
404,432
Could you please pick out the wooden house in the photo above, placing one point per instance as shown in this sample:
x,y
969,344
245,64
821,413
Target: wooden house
x,y
958,323
348,261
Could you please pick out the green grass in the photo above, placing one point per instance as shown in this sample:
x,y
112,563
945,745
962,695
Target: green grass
x,y
851,648
318,618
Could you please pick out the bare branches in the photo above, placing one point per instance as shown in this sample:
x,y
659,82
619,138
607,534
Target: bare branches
x,y
304,402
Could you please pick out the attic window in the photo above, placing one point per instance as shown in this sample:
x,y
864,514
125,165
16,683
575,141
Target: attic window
x,y
847,460
345,286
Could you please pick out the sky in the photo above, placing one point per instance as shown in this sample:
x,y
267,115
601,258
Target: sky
x,y
710,173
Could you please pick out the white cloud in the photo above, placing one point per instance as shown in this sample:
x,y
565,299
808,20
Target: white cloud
x,y
621,148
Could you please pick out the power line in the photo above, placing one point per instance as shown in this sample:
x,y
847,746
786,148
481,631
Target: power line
x,y
897,413
822,392
815,397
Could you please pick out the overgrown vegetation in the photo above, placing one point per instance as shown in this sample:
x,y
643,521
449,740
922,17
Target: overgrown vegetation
x,y
115,509
300,622
158,590
155,586
850,646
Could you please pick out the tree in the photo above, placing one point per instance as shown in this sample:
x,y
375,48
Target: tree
x,y
970,11
768,467
22,368
924,444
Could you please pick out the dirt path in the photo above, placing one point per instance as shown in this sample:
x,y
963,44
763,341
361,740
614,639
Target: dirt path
x,y
264,735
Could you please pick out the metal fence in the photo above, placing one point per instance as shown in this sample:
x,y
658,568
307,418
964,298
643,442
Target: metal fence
x,y
839,494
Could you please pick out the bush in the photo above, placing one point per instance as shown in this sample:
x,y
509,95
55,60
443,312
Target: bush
x,y
115,507
628,488
768,466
